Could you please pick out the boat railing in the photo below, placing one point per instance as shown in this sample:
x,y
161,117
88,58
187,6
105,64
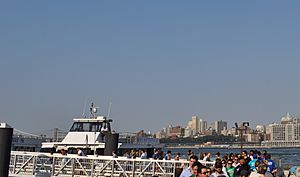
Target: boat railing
x,y
45,164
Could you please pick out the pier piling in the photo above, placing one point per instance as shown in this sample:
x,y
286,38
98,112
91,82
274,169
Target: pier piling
x,y
5,149
111,143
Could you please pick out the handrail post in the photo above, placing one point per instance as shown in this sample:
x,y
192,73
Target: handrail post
x,y
34,164
15,164
112,167
153,166
53,166
73,166
133,168
174,168
92,168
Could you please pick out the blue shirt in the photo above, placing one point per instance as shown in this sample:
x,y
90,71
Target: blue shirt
x,y
252,164
271,165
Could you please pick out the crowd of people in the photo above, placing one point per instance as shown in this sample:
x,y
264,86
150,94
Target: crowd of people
x,y
244,164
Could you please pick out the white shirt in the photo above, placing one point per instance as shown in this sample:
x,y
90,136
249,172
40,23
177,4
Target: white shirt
x,y
80,153
254,174
144,155
215,174
186,172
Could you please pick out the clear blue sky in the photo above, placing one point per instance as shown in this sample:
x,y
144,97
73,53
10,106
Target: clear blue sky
x,y
158,62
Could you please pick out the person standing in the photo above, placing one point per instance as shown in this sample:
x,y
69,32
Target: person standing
x,y
63,152
80,152
218,171
242,168
196,169
144,154
168,156
187,171
203,172
156,154
207,157
189,154
230,168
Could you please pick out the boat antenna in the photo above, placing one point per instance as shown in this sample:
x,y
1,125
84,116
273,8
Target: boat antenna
x,y
84,107
109,107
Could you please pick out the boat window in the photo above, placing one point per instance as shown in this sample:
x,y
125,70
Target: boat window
x,y
77,127
95,127
86,127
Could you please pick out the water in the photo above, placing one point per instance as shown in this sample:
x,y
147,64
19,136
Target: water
x,y
287,156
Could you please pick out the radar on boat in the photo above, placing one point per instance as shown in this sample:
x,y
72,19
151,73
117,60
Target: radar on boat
x,y
93,110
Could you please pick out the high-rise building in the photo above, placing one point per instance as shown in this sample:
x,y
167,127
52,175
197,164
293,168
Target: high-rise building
x,y
202,126
219,126
195,124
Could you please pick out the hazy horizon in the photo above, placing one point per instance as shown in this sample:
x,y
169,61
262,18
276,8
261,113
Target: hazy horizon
x,y
158,63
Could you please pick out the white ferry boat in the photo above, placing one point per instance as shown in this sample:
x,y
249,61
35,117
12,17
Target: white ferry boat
x,y
89,134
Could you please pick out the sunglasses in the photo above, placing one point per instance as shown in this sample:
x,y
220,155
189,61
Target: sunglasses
x,y
205,173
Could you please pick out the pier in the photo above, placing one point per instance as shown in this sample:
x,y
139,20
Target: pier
x,y
50,165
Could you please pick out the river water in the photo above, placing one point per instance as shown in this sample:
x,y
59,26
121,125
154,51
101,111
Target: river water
x,y
286,156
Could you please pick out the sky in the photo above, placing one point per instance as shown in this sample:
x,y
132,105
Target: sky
x,y
157,62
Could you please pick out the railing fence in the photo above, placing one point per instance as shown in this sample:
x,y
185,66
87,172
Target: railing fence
x,y
43,164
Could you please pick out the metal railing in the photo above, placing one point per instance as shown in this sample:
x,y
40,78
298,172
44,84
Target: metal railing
x,y
45,164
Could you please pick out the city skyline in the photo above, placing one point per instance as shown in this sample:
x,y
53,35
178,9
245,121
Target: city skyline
x,y
192,124
285,133
155,62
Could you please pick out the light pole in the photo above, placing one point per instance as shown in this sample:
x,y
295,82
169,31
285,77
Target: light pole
x,y
241,130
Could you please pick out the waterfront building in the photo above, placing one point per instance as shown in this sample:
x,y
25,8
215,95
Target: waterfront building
x,y
253,137
260,128
284,134
137,138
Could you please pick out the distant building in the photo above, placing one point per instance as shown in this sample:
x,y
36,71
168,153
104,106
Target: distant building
x,y
202,126
195,124
176,131
285,134
210,131
226,132
188,132
260,128
232,132
160,134
219,126
253,137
